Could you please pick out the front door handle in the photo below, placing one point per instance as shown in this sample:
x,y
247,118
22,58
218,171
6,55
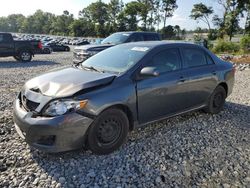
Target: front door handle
x,y
214,72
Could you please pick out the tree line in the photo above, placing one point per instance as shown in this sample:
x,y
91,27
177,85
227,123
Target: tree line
x,y
101,19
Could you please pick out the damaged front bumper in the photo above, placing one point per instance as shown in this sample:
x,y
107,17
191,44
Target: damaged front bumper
x,y
51,134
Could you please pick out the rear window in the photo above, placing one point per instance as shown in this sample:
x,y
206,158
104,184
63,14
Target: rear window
x,y
194,57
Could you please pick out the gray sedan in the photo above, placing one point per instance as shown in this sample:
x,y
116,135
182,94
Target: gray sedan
x,y
96,103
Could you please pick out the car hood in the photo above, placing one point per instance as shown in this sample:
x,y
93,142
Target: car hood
x,y
94,47
68,81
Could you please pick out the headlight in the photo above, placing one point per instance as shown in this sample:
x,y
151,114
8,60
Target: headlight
x,y
60,107
92,53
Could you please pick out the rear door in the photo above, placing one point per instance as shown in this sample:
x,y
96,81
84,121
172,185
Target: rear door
x,y
165,94
6,45
201,73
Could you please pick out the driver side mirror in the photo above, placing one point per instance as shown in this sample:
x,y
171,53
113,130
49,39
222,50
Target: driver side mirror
x,y
149,72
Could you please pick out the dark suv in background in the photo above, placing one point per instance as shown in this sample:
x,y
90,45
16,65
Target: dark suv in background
x,y
82,53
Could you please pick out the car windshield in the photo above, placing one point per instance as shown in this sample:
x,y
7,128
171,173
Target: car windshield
x,y
116,38
117,59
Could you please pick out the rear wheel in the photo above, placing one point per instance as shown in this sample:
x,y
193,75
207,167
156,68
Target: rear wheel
x,y
25,56
46,51
216,101
108,132
67,49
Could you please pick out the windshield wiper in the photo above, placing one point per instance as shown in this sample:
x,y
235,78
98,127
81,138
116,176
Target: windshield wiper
x,y
108,43
92,68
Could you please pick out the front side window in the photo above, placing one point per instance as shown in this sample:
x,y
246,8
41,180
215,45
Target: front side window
x,y
194,57
167,60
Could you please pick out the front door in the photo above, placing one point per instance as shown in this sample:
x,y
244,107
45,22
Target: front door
x,y
165,94
6,46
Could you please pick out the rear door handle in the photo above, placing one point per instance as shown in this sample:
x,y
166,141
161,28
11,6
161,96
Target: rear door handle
x,y
182,79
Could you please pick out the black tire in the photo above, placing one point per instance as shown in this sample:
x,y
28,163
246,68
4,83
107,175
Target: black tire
x,y
25,56
16,58
216,101
67,49
46,51
108,132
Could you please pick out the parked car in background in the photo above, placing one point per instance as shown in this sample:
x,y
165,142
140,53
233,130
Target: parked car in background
x,y
126,86
57,47
82,53
22,50
46,49
82,43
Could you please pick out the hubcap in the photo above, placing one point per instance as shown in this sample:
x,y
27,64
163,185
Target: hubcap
x,y
218,100
109,131
25,56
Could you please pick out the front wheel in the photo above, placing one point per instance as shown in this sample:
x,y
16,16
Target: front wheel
x,y
25,56
108,132
216,101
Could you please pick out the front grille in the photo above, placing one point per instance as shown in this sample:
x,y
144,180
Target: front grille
x,y
28,104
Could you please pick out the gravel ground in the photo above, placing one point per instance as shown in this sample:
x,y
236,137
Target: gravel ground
x,y
195,149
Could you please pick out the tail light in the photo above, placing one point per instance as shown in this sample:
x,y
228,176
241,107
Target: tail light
x,y
40,46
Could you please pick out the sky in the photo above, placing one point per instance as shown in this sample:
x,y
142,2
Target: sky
x,y
180,17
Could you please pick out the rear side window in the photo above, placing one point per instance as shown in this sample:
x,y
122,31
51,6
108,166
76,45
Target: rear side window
x,y
1,38
150,37
194,57
136,37
167,60
209,60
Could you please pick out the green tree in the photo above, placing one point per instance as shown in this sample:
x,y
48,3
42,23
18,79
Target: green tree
x,y
115,7
61,23
177,30
202,12
97,13
131,12
247,24
3,24
229,23
168,8
168,32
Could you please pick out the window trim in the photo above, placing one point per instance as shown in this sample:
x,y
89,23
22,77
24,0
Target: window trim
x,y
209,56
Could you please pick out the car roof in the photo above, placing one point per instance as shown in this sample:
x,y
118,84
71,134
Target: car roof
x,y
153,44
146,32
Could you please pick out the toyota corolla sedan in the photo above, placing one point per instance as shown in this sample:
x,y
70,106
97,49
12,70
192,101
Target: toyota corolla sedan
x,y
97,102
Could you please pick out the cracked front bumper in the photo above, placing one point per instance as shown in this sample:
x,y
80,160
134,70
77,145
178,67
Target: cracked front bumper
x,y
51,134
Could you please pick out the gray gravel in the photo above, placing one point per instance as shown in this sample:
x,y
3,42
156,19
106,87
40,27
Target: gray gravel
x,y
195,149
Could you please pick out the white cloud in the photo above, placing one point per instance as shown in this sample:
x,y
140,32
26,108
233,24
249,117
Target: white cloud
x,y
177,18
28,7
